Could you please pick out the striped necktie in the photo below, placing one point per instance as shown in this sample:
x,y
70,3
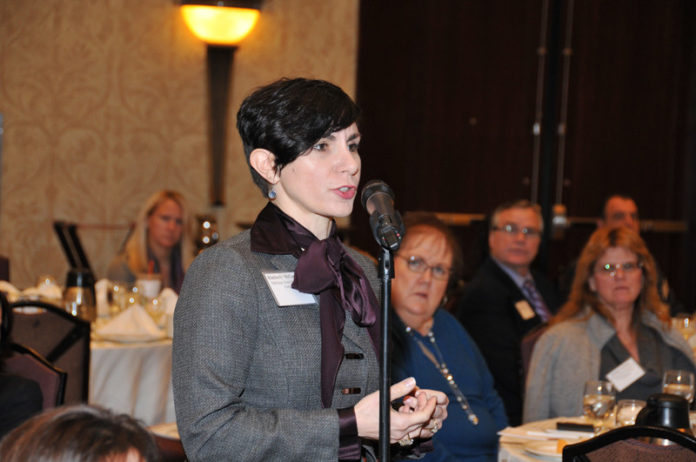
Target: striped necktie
x,y
535,298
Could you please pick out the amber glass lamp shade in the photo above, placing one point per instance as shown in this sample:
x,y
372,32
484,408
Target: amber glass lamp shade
x,y
217,23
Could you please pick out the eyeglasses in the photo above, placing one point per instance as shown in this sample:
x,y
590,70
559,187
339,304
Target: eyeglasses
x,y
513,230
610,269
418,265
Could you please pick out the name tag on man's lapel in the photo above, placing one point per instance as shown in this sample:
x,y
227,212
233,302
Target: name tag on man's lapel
x,y
524,309
284,295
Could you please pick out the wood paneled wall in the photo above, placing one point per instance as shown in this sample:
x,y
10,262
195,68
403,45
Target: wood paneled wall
x,y
449,92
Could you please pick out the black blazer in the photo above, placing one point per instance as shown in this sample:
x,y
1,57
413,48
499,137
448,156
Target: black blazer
x,y
487,311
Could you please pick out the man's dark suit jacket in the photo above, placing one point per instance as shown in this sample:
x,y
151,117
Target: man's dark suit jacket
x,y
487,310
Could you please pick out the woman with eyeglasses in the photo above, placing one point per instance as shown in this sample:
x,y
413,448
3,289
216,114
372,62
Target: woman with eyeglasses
x,y
613,318
430,344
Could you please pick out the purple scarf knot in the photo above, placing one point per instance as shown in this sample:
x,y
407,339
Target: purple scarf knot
x,y
322,266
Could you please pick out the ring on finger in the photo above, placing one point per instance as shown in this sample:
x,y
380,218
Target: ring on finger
x,y
435,427
406,440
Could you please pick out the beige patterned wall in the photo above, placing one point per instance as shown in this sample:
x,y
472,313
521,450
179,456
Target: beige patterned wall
x,y
104,102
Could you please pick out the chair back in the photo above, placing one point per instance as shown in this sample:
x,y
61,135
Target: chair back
x,y
58,336
621,444
527,347
27,363
170,449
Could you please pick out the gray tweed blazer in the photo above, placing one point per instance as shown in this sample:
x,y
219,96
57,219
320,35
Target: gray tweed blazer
x,y
246,372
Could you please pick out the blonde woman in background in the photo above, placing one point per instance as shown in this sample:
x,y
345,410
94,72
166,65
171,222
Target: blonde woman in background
x,y
161,242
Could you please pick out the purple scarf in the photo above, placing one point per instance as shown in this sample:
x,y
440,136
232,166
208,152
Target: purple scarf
x,y
325,269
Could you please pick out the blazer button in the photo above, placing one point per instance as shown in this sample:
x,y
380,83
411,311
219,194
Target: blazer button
x,y
351,391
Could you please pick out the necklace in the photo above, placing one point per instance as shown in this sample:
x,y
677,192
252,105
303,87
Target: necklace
x,y
441,366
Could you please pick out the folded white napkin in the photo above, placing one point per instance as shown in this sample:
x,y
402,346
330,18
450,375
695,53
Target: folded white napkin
x,y
46,291
11,291
168,299
131,325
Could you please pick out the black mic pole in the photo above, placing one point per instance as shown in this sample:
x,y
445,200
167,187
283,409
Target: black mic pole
x,y
388,231
386,271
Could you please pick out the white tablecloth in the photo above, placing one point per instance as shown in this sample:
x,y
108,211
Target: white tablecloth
x,y
514,450
133,378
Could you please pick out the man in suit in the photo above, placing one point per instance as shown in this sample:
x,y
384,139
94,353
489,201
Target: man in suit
x,y
506,298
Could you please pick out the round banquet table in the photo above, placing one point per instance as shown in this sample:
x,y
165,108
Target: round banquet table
x,y
133,378
516,442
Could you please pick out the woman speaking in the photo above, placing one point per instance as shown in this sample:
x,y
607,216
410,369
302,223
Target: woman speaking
x,y
276,329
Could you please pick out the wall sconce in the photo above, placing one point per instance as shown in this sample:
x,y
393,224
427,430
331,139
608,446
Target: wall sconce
x,y
221,25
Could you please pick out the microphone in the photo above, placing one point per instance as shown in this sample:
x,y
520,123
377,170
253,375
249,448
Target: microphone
x,y
386,224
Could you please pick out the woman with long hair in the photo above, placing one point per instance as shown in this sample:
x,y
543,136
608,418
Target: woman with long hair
x,y
160,243
614,317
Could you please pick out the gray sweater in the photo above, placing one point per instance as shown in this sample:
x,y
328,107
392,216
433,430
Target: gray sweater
x,y
568,354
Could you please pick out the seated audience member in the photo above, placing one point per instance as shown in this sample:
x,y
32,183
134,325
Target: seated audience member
x,y
621,210
507,299
429,343
161,242
20,398
79,433
614,318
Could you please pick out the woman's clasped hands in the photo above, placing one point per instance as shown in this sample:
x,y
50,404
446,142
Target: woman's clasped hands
x,y
420,415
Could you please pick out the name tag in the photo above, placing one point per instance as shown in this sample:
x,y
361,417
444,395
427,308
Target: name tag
x,y
284,295
623,375
524,309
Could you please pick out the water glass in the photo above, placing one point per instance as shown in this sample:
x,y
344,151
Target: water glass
x,y
680,383
685,325
627,410
598,402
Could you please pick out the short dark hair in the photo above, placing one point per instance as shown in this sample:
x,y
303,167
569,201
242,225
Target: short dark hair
x,y
82,433
288,116
618,195
516,204
429,219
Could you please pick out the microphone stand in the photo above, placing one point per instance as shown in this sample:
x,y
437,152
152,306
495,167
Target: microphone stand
x,y
386,271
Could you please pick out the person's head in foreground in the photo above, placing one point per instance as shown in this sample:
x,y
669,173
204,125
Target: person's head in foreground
x,y
615,275
79,434
427,262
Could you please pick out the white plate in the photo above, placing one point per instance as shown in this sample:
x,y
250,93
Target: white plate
x,y
544,448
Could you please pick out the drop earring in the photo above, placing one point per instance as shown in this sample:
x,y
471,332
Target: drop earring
x,y
272,194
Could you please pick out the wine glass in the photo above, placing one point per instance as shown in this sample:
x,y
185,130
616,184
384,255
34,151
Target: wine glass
x,y
685,325
680,383
598,402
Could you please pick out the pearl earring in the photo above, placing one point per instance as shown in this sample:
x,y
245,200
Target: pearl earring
x,y
272,194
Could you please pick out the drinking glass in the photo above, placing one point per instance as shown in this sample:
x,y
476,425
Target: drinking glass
x,y
627,410
598,402
680,383
685,325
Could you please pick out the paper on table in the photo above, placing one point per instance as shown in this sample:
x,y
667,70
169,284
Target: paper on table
x,y
131,325
542,430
